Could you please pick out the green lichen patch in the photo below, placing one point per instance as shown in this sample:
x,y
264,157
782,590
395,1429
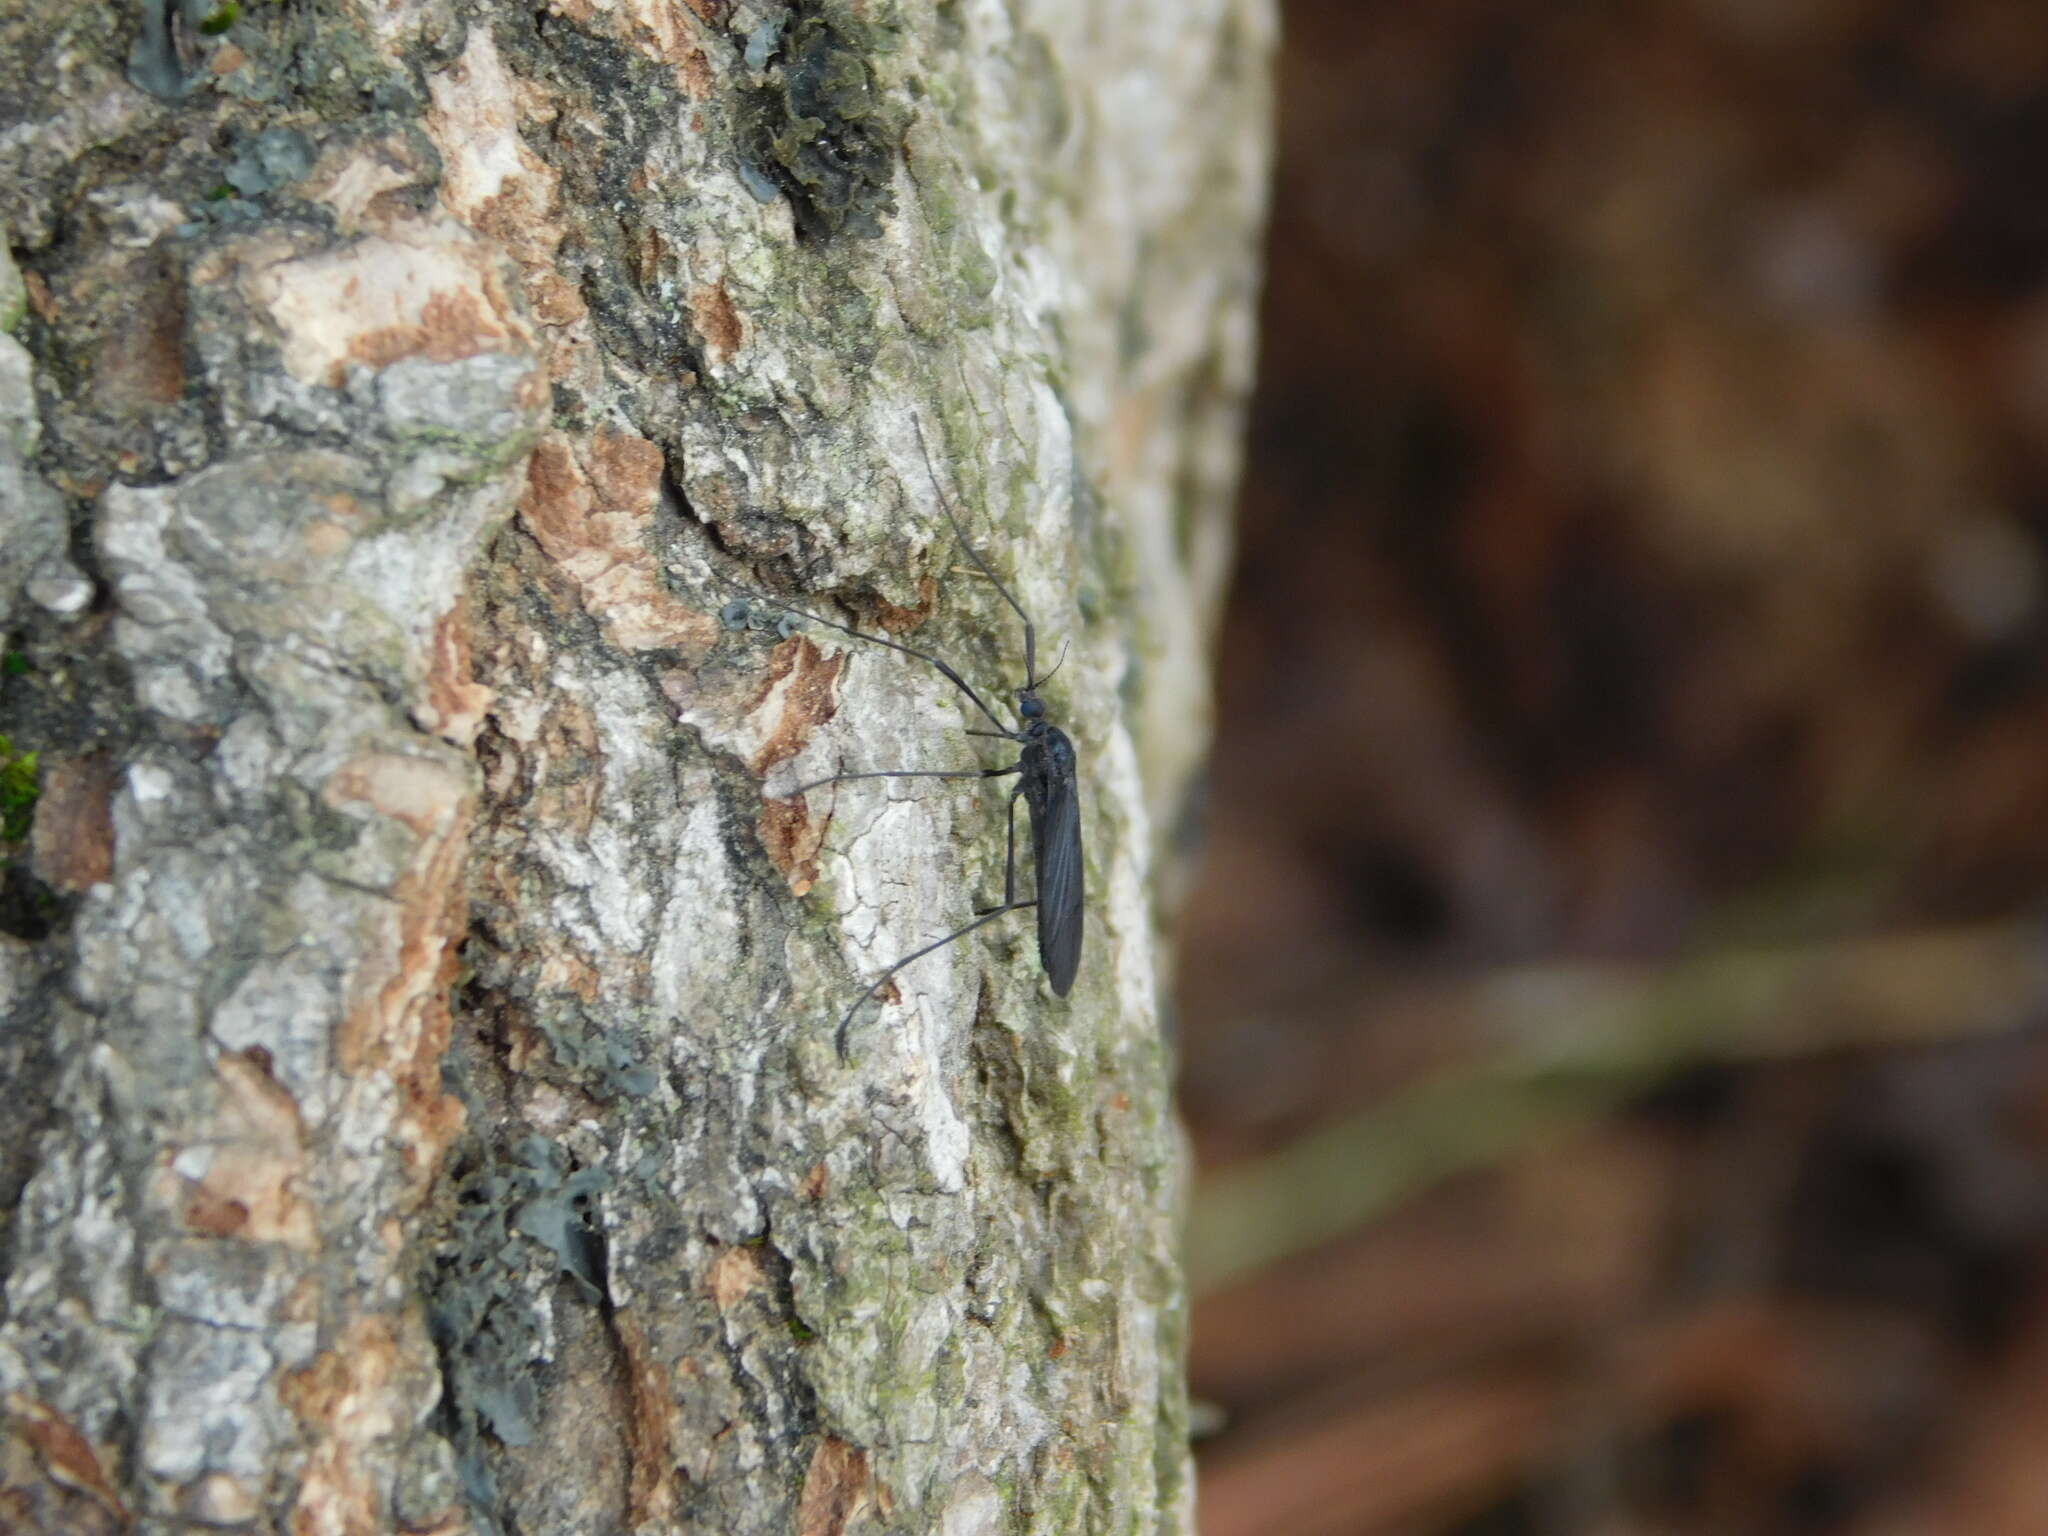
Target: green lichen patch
x,y
19,786
29,909
822,131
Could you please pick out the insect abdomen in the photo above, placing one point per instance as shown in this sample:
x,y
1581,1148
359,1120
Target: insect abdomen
x,y
1052,796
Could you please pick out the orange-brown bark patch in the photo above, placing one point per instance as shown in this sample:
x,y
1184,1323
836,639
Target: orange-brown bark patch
x,y
791,839
426,289
668,34
892,620
325,1391
718,322
432,1119
345,1400
492,180
798,695
835,1488
423,792
625,471
734,1273
71,844
644,252
40,298
557,497
697,76
590,505
250,1169
398,1021
652,1430
554,298
67,1457
805,681
214,1215
456,702
451,326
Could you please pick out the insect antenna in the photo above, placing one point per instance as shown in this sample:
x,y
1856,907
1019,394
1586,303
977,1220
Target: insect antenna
x,y
1030,630
1055,672
846,629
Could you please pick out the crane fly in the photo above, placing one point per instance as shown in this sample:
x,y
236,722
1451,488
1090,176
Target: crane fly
x,y
1047,782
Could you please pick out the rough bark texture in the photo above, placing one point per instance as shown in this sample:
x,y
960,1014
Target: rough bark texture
x,y
423,1112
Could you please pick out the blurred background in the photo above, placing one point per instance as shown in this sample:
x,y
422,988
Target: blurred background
x,y
1612,1004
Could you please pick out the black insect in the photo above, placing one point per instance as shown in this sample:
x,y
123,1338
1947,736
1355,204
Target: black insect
x,y
1046,783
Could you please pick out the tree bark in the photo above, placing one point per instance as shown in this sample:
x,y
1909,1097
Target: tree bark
x,y
421,982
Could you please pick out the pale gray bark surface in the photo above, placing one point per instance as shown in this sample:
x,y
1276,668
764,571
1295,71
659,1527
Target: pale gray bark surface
x,y
422,1111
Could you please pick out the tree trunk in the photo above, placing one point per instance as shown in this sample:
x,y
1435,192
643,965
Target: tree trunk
x,y
424,1110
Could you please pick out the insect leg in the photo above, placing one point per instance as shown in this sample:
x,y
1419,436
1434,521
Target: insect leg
x,y
846,1022
906,773
1010,901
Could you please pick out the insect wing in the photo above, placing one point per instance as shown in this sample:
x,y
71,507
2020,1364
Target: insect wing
x,y
1053,798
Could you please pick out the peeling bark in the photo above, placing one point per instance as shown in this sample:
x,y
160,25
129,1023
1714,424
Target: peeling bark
x,y
419,979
